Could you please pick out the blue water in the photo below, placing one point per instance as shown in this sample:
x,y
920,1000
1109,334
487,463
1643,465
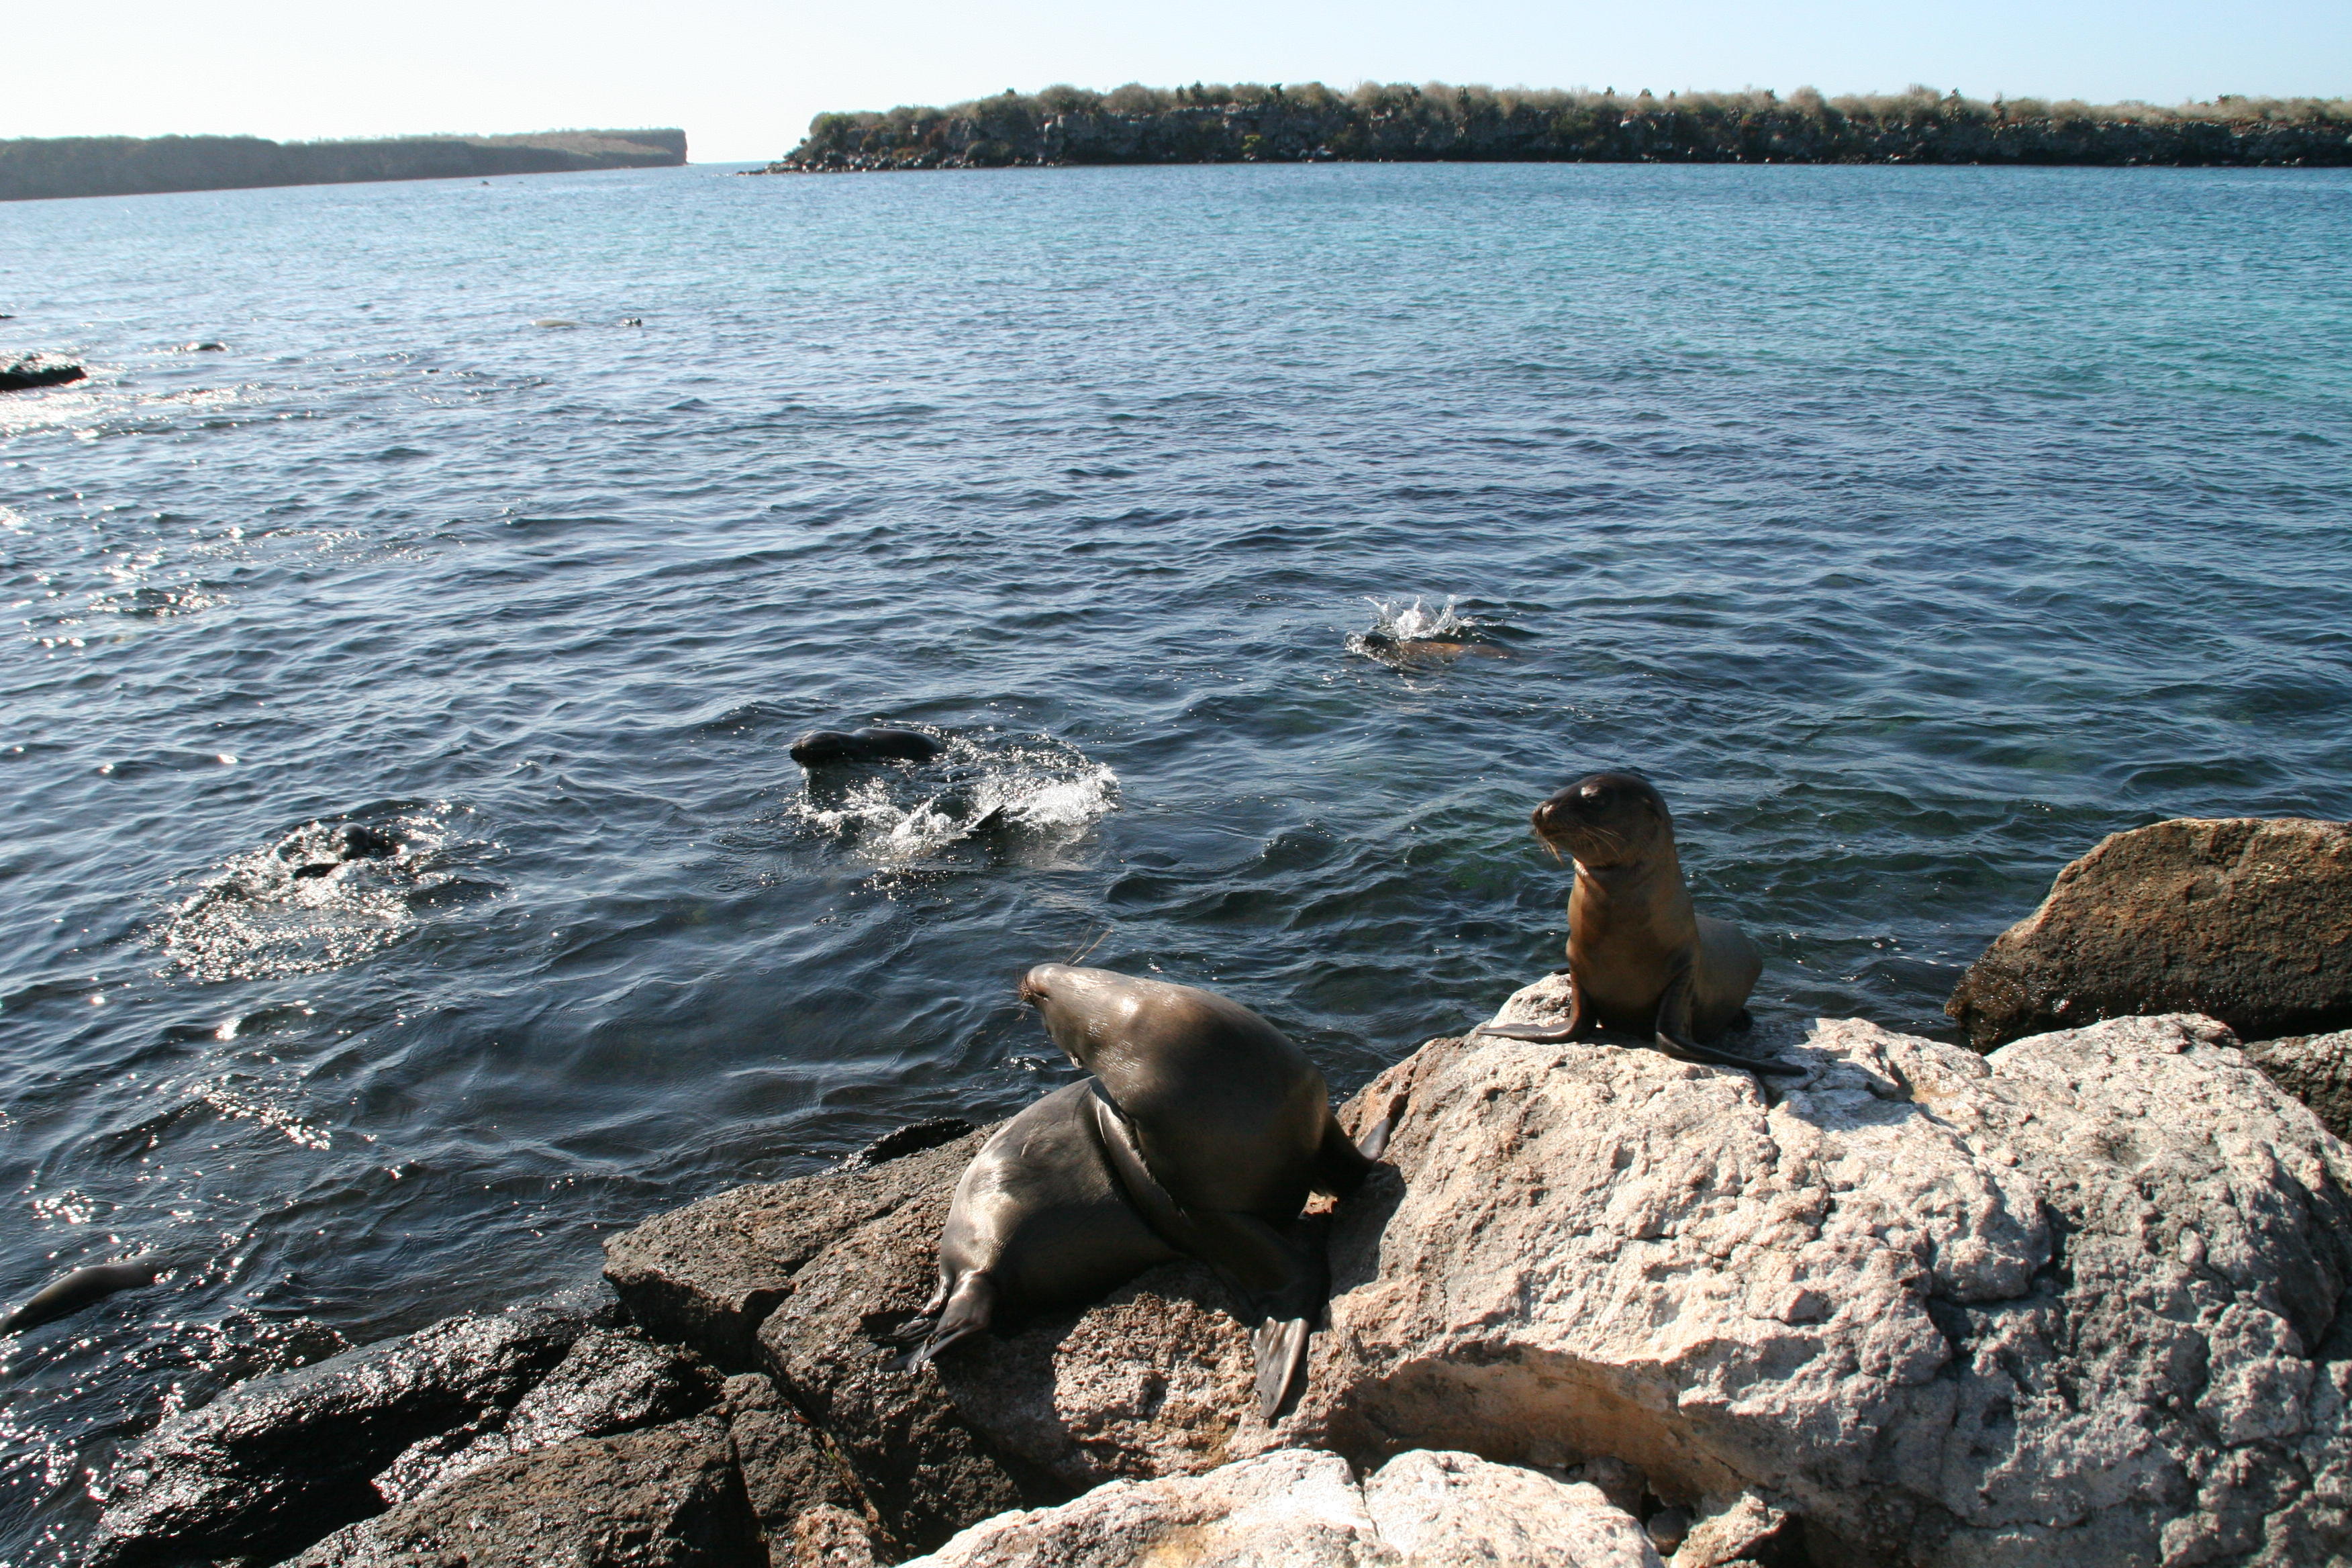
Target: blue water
x,y
1911,527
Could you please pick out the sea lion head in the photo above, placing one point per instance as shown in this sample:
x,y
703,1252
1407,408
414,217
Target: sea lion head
x,y
1605,820
1081,1006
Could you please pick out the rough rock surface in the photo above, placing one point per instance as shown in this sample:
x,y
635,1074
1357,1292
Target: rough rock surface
x,y
708,1274
918,1458
276,1463
1298,1509
789,1468
2314,1069
607,1382
26,372
669,1497
2081,1301
2246,919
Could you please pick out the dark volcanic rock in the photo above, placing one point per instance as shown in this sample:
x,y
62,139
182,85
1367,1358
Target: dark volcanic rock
x,y
666,1498
788,1466
608,1382
928,1472
2314,1069
2242,919
708,1274
274,1464
24,374
911,1139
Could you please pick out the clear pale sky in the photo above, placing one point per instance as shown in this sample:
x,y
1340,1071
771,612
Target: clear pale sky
x,y
743,76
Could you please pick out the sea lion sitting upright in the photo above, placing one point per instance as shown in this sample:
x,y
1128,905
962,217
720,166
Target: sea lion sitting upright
x,y
819,747
1641,957
1218,1127
1039,1221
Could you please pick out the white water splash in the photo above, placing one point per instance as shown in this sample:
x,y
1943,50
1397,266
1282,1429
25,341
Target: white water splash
x,y
1412,623
895,815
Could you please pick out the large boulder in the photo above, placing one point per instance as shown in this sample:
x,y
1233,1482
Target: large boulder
x,y
669,1497
2314,1069
1303,1509
708,1275
275,1463
2245,920
2075,1302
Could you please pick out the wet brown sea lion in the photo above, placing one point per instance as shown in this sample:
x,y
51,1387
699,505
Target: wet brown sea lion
x,y
820,747
1218,1127
1641,957
1039,1221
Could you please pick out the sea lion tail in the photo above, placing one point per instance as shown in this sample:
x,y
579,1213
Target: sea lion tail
x,y
1281,1347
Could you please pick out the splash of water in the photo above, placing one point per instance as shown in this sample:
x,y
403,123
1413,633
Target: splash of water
x,y
1401,622
902,814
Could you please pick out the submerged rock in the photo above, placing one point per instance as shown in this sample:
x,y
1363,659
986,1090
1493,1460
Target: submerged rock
x,y
2246,919
28,371
276,1463
1297,1508
666,1498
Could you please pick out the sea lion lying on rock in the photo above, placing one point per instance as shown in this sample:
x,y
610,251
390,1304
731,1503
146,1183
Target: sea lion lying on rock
x,y
1217,1127
1641,957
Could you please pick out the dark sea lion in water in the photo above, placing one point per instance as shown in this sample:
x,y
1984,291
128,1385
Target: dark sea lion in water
x,y
1039,1221
819,747
80,1290
1641,957
1217,1127
1398,652
355,842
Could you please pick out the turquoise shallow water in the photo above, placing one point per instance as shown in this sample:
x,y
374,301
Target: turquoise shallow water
x,y
1911,527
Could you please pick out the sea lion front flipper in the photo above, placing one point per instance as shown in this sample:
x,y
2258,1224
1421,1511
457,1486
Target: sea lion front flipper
x,y
1375,1141
969,1312
1342,1163
1579,1022
1280,1344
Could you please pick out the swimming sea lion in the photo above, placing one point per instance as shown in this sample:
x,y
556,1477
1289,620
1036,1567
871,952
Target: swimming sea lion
x,y
819,747
1642,958
1218,1127
355,842
1039,1221
80,1290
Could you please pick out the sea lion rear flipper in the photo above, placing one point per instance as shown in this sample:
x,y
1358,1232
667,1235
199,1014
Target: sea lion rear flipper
x,y
1281,1347
969,1312
1675,1035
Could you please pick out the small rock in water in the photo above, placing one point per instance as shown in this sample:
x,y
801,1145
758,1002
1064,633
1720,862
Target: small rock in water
x,y
911,1139
28,371
632,321
206,348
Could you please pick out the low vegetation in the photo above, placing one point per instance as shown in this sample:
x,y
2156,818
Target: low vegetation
x,y
1375,121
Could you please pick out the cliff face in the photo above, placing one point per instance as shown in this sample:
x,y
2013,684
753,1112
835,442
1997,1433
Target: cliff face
x,y
32,169
1437,124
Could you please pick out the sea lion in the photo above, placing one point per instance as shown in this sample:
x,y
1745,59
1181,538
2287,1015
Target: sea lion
x,y
1217,1127
355,842
819,747
1400,652
1642,958
79,1290
1039,1220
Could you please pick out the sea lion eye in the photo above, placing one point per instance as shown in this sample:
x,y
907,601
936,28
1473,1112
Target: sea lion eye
x,y
1594,792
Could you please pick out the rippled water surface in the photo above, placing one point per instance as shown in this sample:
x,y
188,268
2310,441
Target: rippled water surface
x,y
1911,527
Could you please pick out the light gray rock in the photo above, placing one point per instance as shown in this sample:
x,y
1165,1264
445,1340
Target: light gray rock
x,y
1296,1509
2314,1069
2075,1302
2247,920
667,1497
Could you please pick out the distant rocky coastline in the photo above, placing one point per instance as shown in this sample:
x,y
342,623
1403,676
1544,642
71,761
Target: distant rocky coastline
x,y
1436,123
35,169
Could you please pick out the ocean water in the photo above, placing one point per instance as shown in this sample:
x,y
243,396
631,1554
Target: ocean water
x,y
1910,528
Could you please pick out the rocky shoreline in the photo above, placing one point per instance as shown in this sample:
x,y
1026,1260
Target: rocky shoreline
x,y
1065,126
2081,1299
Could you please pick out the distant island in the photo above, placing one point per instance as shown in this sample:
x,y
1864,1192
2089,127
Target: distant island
x,y
1290,124
37,168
